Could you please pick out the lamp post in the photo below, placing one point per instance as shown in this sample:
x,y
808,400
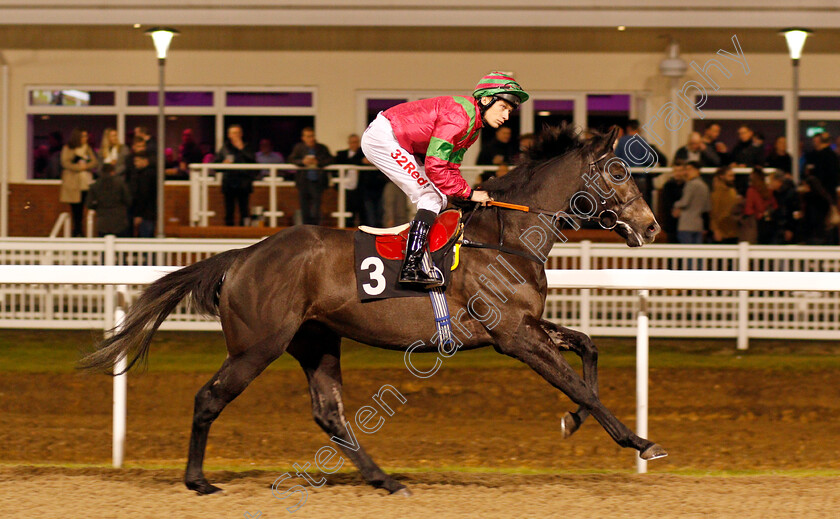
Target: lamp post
x,y
162,37
795,41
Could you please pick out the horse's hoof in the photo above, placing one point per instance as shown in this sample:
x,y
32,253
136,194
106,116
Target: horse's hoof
x,y
203,488
404,492
568,425
653,452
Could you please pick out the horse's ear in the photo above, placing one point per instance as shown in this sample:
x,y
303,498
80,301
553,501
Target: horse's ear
x,y
610,139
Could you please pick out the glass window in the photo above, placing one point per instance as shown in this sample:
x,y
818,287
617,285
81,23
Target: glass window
x,y
606,110
282,130
150,98
71,97
48,134
729,102
824,103
254,99
203,129
374,106
553,112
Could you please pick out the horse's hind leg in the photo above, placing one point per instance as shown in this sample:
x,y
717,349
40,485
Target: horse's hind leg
x,y
231,379
582,345
318,351
533,346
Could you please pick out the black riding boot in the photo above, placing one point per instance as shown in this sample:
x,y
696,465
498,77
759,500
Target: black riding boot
x,y
415,247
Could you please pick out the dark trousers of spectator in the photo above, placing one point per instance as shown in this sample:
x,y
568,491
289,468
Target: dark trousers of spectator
x,y
146,229
77,210
309,194
233,198
690,237
372,208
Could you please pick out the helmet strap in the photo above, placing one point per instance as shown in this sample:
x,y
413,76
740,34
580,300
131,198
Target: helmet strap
x,y
482,108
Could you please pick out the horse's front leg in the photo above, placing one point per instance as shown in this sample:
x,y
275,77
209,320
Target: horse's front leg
x,y
531,344
582,345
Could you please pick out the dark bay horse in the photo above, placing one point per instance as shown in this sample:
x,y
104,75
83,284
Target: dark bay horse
x,y
295,293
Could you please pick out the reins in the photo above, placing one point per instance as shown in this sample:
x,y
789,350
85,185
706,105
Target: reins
x,y
607,218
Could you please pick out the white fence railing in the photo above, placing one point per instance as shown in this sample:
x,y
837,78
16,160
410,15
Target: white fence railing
x,y
769,313
202,176
641,280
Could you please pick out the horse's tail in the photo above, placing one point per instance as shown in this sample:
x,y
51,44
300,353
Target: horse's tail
x,y
200,280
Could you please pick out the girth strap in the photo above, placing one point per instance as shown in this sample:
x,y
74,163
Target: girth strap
x,y
501,248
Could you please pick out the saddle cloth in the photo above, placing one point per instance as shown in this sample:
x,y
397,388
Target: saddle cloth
x,y
378,257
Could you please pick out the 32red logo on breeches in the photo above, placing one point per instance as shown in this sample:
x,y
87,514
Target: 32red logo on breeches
x,y
403,162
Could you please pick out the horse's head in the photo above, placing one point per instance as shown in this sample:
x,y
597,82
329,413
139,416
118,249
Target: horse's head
x,y
618,203
583,179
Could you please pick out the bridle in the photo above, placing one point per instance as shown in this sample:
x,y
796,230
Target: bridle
x,y
607,218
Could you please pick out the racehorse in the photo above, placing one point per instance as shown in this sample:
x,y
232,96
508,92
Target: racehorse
x,y
295,293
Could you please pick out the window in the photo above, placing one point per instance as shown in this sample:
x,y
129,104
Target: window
x,y
53,112
48,133
605,110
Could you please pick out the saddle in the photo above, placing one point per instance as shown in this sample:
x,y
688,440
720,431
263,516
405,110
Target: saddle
x,y
390,242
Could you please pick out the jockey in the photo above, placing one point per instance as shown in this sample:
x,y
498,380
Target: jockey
x,y
419,145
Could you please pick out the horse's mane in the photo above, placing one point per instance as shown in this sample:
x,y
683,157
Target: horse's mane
x,y
553,142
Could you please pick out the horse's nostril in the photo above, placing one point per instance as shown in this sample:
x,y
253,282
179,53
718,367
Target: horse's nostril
x,y
652,229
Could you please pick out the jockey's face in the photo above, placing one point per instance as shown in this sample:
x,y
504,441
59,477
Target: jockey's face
x,y
498,113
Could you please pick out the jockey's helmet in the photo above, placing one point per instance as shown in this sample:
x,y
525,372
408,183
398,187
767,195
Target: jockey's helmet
x,y
499,85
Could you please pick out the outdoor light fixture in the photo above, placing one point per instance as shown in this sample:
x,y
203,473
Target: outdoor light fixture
x,y
162,37
795,39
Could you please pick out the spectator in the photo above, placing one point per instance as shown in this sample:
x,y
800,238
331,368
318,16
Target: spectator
x,y
710,138
267,155
499,152
110,198
689,209
526,141
757,224
779,158
189,150
815,208
172,166
311,182
78,162
354,196
623,151
143,187
112,151
55,142
787,205
151,145
745,153
670,192
726,206
825,164
697,151
237,184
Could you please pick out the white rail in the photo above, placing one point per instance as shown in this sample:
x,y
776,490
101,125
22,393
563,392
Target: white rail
x,y
619,279
204,175
801,314
61,225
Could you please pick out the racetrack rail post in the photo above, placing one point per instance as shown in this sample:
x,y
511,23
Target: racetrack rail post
x,y
642,359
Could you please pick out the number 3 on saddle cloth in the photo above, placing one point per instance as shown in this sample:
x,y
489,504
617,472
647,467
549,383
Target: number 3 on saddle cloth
x,y
379,254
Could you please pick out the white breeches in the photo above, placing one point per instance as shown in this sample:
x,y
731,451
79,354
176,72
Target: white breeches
x,y
381,148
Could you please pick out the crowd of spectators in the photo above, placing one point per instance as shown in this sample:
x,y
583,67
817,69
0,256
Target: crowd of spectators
x,y
693,208
768,209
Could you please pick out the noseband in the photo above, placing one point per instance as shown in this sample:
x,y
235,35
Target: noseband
x,y
607,218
